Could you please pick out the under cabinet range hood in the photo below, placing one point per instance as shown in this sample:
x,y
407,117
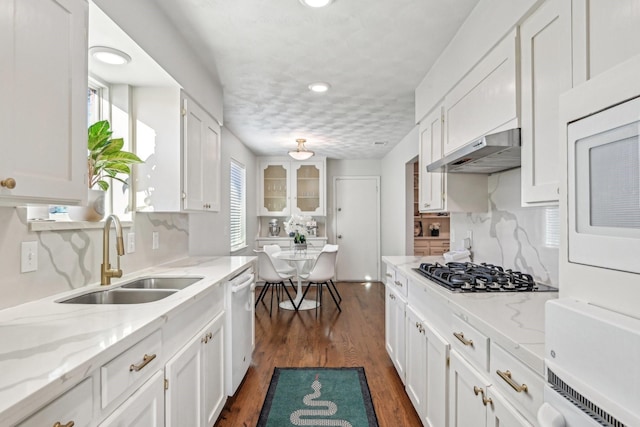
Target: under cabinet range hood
x,y
492,153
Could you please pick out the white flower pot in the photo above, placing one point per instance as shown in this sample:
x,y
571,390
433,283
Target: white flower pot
x,y
94,211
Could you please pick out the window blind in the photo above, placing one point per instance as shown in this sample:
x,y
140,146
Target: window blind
x,y
238,222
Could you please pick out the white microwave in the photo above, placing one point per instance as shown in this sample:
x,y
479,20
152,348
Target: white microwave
x,y
600,190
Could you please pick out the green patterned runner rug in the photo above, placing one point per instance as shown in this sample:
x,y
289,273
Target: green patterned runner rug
x,y
318,397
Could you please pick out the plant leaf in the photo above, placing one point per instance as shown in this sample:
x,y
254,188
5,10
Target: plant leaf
x,y
104,185
114,146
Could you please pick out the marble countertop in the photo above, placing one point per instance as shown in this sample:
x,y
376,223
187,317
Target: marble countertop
x,y
515,321
47,345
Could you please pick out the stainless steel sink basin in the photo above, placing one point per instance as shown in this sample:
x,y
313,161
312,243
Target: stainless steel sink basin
x,y
162,282
121,296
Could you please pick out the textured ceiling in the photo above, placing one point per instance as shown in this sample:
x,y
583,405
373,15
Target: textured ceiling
x,y
266,52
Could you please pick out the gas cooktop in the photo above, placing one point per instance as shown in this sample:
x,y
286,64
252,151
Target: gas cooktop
x,y
469,277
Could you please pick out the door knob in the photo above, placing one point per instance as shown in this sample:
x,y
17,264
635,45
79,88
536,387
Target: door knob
x,y
9,183
339,236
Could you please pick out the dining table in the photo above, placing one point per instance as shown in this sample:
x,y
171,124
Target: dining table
x,y
303,261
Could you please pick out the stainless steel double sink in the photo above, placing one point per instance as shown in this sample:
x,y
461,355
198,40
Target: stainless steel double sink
x,y
138,291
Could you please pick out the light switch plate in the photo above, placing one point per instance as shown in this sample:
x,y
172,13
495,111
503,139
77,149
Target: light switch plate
x,y
156,240
131,243
29,257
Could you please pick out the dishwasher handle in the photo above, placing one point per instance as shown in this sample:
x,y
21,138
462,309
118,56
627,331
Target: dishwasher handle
x,y
243,285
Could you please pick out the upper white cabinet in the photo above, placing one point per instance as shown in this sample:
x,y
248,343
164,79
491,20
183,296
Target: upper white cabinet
x,y
430,184
291,187
605,34
180,145
545,46
486,100
43,99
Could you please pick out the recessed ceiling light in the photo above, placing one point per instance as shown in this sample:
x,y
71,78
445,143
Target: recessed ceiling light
x,y
319,87
316,3
109,55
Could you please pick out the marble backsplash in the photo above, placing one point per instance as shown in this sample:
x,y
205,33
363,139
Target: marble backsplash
x,y
521,238
69,259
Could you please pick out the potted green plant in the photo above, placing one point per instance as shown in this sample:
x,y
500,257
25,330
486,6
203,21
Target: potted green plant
x,y
106,160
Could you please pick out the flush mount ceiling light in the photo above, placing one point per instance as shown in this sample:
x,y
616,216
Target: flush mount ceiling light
x,y
319,87
109,55
301,153
316,3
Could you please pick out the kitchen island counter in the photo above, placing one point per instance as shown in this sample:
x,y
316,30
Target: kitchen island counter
x,y
514,320
47,347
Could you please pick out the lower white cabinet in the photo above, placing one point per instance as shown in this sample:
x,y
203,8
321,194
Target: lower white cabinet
x,y
195,379
145,408
395,330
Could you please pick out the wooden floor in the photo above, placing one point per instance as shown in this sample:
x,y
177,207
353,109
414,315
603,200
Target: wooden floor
x,y
354,337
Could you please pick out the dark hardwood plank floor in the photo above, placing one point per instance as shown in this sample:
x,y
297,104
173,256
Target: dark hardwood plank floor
x,y
354,337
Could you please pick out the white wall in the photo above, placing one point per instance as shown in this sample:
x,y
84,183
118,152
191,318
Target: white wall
x,y
394,195
209,231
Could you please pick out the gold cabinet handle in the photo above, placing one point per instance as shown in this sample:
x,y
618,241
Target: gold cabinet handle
x,y
145,361
388,275
398,283
506,375
206,338
392,296
478,390
9,183
462,339
69,424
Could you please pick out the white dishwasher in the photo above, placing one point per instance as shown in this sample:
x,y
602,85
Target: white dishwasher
x,y
240,323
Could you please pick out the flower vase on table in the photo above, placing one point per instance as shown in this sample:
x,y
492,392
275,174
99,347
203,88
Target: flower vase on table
x,y
299,242
296,228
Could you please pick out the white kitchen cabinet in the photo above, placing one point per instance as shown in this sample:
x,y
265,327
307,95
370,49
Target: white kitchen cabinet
x,y
145,408
500,413
605,34
75,406
485,100
395,307
195,379
440,192
179,143
43,101
416,370
545,49
290,187
430,184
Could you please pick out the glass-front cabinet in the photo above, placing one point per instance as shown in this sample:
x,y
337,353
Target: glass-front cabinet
x,y
289,187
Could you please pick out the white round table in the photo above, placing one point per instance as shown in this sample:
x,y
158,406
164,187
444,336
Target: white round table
x,y
299,259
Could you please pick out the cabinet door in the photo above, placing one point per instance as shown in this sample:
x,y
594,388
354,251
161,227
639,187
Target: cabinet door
x,y
430,184
501,414
486,100
416,373
183,396
274,189
213,370
395,331
43,100
467,394
145,408
605,34
437,386
308,188
545,42
201,168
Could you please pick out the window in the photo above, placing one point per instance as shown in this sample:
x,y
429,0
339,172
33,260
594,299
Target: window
x,y
237,206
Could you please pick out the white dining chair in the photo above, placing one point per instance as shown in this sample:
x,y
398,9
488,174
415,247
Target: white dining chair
x,y
281,266
322,273
272,279
328,247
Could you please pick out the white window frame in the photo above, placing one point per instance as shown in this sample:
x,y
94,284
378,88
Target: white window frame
x,y
237,206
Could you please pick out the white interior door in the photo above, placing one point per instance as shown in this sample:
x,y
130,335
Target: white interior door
x,y
357,210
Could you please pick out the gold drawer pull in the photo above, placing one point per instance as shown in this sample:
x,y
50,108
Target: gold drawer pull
x,y
10,183
392,296
477,390
398,283
206,338
463,340
388,275
69,424
145,361
506,375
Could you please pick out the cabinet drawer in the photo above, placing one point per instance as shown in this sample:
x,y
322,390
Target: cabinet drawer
x,y
131,368
528,400
75,405
400,284
438,251
470,342
389,275
440,244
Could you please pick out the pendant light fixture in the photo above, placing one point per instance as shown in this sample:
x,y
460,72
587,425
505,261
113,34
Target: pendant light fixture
x,y
301,153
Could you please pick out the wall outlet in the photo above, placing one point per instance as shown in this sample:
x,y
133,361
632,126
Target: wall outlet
x,y
29,257
156,240
131,243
